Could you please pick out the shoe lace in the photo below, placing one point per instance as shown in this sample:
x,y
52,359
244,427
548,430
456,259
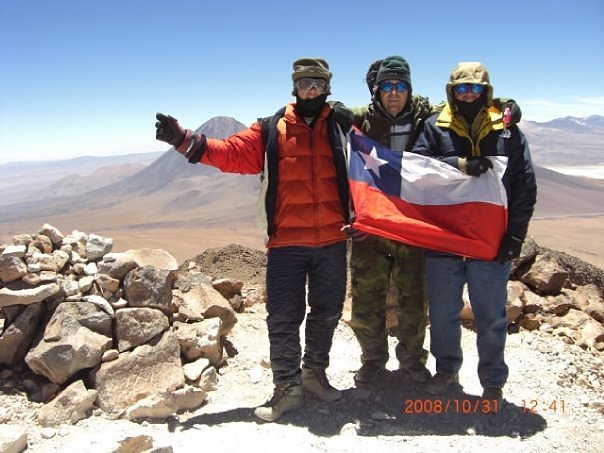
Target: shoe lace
x,y
322,379
278,395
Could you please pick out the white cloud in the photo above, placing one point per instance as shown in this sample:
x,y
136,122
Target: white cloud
x,y
547,109
596,100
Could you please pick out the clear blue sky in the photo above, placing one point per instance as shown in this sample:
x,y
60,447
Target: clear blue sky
x,y
85,77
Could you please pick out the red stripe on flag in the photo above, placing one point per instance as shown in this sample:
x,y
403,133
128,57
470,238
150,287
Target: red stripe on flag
x,y
472,229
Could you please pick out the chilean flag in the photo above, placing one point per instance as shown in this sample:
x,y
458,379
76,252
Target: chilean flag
x,y
424,202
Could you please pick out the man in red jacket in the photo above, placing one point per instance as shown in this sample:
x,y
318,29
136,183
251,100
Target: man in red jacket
x,y
305,194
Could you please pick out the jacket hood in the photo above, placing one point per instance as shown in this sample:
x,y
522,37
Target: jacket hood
x,y
469,72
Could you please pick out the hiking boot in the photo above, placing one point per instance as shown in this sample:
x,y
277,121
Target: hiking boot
x,y
440,383
493,396
285,399
417,371
315,381
368,372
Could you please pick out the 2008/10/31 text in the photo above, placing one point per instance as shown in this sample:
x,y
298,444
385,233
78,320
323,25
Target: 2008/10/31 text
x,y
455,406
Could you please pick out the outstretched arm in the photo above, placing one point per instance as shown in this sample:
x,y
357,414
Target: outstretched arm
x,y
242,152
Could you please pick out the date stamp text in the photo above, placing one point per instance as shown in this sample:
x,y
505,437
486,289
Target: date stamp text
x,y
451,406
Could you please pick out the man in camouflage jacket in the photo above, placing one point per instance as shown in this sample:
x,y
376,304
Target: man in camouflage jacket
x,y
393,119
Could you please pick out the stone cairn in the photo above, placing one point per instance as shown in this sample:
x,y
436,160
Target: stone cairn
x,y
130,335
127,333
557,294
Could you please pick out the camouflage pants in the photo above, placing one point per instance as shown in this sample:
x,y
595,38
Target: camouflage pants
x,y
376,264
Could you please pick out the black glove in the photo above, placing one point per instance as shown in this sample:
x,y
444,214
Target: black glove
x,y
168,130
515,114
509,249
343,116
476,166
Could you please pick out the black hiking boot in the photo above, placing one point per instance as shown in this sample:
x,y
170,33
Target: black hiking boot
x,y
368,373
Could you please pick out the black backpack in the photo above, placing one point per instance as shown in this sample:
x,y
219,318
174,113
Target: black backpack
x,y
372,75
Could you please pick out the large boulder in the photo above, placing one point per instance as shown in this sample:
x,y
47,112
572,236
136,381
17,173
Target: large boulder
x,y
11,268
27,296
200,339
75,338
149,369
205,301
545,276
136,326
18,336
152,257
149,286
70,406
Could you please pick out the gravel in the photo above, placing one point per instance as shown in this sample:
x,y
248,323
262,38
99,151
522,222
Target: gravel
x,y
553,400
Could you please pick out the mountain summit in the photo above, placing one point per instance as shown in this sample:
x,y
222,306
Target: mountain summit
x,y
171,166
592,123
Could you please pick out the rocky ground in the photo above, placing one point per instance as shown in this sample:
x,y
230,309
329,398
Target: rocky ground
x,y
554,401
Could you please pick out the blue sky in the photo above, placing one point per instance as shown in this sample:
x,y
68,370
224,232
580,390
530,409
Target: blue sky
x,y
84,77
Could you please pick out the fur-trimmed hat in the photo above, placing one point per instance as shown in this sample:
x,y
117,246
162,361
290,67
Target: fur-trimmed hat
x,y
469,72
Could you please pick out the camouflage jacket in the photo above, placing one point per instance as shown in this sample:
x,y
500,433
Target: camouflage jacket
x,y
378,124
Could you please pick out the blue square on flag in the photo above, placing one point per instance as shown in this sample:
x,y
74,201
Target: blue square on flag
x,y
374,164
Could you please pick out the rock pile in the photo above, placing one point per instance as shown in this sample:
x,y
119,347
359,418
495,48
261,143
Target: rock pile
x,y
132,335
557,294
81,326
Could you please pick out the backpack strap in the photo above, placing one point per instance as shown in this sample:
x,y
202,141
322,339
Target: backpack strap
x,y
337,140
269,123
269,138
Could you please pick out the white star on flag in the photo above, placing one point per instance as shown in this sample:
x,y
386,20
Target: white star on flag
x,y
372,161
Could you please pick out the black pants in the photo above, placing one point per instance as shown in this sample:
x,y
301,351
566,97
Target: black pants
x,y
288,269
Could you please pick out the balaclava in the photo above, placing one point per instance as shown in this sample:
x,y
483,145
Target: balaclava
x,y
316,68
473,73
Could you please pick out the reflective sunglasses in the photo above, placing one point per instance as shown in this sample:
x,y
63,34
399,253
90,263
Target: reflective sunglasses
x,y
306,83
387,87
466,87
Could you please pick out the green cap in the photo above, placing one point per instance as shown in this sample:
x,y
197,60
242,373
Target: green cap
x,y
311,67
395,68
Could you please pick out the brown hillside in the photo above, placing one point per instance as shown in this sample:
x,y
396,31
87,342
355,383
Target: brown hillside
x,y
562,195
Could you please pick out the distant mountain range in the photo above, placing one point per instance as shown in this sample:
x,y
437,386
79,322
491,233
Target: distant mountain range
x,y
590,123
163,190
169,192
566,141
25,181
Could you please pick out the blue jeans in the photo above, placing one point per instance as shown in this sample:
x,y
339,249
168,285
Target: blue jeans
x,y
487,289
288,270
